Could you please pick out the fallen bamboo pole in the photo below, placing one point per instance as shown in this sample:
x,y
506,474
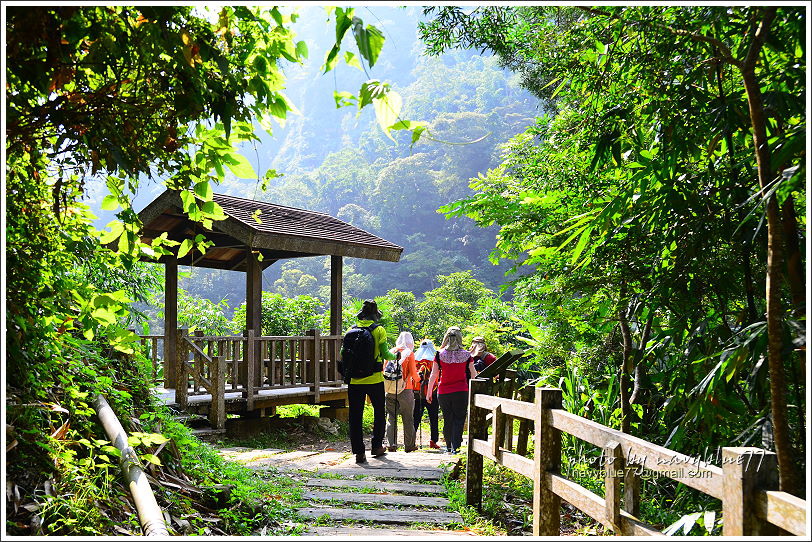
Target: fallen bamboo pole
x,y
149,513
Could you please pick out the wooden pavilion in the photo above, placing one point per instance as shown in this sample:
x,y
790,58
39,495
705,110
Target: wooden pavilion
x,y
253,236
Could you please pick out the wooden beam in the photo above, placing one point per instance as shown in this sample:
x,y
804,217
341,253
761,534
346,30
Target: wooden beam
x,y
170,321
336,287
253,294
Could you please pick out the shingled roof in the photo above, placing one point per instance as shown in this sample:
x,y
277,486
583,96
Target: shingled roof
x,y
280,232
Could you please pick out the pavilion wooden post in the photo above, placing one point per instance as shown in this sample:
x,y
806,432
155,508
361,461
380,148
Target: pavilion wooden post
x,y
253,294
336,286
253,320
170,321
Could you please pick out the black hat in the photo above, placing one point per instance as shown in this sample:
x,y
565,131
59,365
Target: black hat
x,y
369,311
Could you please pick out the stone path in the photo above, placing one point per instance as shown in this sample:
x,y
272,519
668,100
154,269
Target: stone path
x,y
382,498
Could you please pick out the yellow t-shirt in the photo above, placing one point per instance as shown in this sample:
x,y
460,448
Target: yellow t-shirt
x,y
379,334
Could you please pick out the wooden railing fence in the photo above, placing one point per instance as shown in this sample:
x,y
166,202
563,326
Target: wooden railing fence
x,y
216,365
745,483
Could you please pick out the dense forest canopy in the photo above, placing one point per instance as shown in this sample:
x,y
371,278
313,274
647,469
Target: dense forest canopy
x,y
639,172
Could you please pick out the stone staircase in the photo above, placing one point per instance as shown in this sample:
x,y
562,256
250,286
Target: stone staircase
x,y
398,494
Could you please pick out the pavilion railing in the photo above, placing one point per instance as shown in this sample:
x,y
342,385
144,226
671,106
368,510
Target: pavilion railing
x,y
219,365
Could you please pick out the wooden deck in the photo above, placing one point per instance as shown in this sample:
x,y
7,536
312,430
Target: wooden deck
x,y
236,402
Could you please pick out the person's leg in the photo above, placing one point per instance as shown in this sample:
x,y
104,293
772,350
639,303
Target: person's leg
x,y
434,423
417,413
407,413
355,399
378,400
460,407
391,420
448,419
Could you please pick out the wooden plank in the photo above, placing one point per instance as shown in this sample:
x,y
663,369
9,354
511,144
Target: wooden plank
x,y
500,363
382,486
782,509
382,515
510,407
402,474
595,507
688,470
515,462
377,498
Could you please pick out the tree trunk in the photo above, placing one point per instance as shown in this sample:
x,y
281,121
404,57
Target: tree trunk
x,y
625,370
775,254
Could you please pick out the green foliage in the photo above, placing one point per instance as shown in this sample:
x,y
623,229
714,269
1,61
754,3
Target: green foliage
x,y
283,316
201,314
637,200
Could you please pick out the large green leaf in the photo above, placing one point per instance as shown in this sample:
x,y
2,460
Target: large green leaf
x,y
240,166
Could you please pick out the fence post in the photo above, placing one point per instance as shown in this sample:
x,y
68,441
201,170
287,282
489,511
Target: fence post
x,y
181,369
316,350
477,429
200,363
510,385
745,471
547,458
250,347
217,413
612,465
526,395
498,421
631,490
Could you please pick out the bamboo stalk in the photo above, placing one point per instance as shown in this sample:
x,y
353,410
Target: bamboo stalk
x,y
149,513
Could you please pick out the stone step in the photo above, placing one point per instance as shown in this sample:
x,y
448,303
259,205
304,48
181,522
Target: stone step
x,y
390,487
377,498
388,472
382,515
382,533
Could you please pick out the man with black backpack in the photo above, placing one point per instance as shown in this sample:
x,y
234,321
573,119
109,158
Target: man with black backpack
x,y
362,353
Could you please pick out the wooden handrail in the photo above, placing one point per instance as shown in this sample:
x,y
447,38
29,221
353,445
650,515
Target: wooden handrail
x,y
743,483
782,509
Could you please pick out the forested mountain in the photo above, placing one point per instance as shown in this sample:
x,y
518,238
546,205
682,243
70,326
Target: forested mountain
x,y
334,160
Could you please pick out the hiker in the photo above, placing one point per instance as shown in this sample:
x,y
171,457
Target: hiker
x,y
449,367
399,376
479,351
424,359
359,388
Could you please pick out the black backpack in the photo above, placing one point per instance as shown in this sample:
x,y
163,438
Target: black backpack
x,y
358,354
393,370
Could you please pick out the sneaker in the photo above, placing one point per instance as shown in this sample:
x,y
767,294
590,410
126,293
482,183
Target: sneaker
x,y
393,449
360,458
434,445
379,451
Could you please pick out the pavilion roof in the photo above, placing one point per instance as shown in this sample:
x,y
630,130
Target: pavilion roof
x,y
278,232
